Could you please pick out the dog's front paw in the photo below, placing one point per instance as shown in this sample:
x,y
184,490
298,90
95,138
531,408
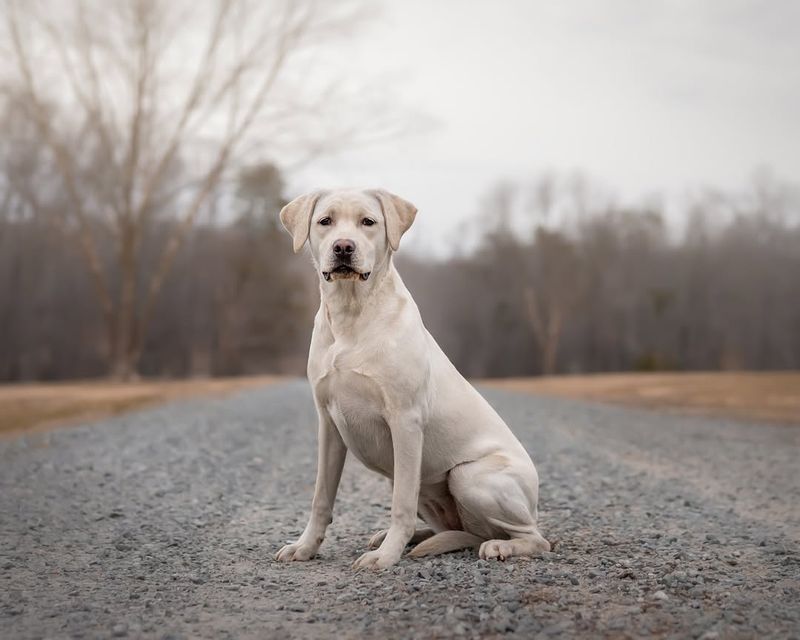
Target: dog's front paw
x,y
377,559
296,551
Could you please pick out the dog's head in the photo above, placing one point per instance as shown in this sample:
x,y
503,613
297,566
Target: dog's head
x,y
350,231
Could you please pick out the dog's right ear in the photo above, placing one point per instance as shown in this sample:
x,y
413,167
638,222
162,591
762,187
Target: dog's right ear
x,y
296,218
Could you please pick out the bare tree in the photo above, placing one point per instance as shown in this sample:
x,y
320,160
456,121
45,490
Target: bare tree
x,y
141,107
553,289
547,270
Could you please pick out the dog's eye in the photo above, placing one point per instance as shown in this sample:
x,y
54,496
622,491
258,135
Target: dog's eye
x,y
324,221
367,222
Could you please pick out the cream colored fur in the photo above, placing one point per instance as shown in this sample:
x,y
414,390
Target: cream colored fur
x,y
386,393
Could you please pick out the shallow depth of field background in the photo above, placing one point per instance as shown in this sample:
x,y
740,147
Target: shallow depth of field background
x,y
609,212
601,188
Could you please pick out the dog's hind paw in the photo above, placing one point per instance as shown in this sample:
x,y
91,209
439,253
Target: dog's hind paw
x,y
376,540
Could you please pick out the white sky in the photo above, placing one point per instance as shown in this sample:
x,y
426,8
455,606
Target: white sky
x,y
643,97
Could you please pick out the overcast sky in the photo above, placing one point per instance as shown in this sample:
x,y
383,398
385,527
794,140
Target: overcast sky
x,y
643,97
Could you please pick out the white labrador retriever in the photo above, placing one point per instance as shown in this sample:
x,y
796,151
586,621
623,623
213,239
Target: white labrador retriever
x,y
385,391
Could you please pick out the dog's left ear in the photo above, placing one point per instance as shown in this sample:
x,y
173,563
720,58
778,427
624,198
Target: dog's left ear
x,y
398,213
296,218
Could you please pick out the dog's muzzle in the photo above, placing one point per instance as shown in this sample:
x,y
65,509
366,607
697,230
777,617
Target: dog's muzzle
x,y
343,271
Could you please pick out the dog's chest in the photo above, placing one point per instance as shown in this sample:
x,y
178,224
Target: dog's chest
x,y
354,404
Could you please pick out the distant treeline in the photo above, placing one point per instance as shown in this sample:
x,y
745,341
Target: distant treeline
x,y
124,246
137,237
606,288
548,286
235,300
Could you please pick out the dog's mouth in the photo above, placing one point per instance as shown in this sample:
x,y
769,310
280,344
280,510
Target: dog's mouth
x,y
344,272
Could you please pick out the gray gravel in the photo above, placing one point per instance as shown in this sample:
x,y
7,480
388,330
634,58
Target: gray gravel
x,y
163,524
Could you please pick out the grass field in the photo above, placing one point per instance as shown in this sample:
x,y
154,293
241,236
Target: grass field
x,y
770,396
26,407
773,397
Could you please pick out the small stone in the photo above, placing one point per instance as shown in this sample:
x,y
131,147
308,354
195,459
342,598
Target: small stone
x,y
660,595
119,630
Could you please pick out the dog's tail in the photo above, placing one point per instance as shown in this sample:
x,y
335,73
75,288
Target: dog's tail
x,y
444,542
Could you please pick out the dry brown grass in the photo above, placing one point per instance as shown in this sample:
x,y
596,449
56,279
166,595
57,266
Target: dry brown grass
x,y
769,396
33,407
773,397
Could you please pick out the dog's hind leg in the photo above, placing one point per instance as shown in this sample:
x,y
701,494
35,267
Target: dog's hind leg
x,y
525,544
444,542
497,500
419,535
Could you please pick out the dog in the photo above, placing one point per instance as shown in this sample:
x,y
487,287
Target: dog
x,y
387,393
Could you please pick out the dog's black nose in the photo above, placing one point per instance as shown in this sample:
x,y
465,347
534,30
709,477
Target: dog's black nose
x,y
344,248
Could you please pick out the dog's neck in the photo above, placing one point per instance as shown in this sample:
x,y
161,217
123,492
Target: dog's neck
x,y
347,303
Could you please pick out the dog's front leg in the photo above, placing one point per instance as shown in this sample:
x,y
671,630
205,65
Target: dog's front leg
x,y
407,449
330,461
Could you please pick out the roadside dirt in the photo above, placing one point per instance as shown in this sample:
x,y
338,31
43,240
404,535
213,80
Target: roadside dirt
x,y
26,408
769,396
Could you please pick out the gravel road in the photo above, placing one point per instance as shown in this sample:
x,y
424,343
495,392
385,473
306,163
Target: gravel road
x,y
163,524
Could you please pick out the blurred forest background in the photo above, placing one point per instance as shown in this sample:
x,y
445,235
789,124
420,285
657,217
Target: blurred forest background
x,y
139,231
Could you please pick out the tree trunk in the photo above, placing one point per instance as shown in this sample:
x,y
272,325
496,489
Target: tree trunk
x,y
553,337
125,347
546,329
123,367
